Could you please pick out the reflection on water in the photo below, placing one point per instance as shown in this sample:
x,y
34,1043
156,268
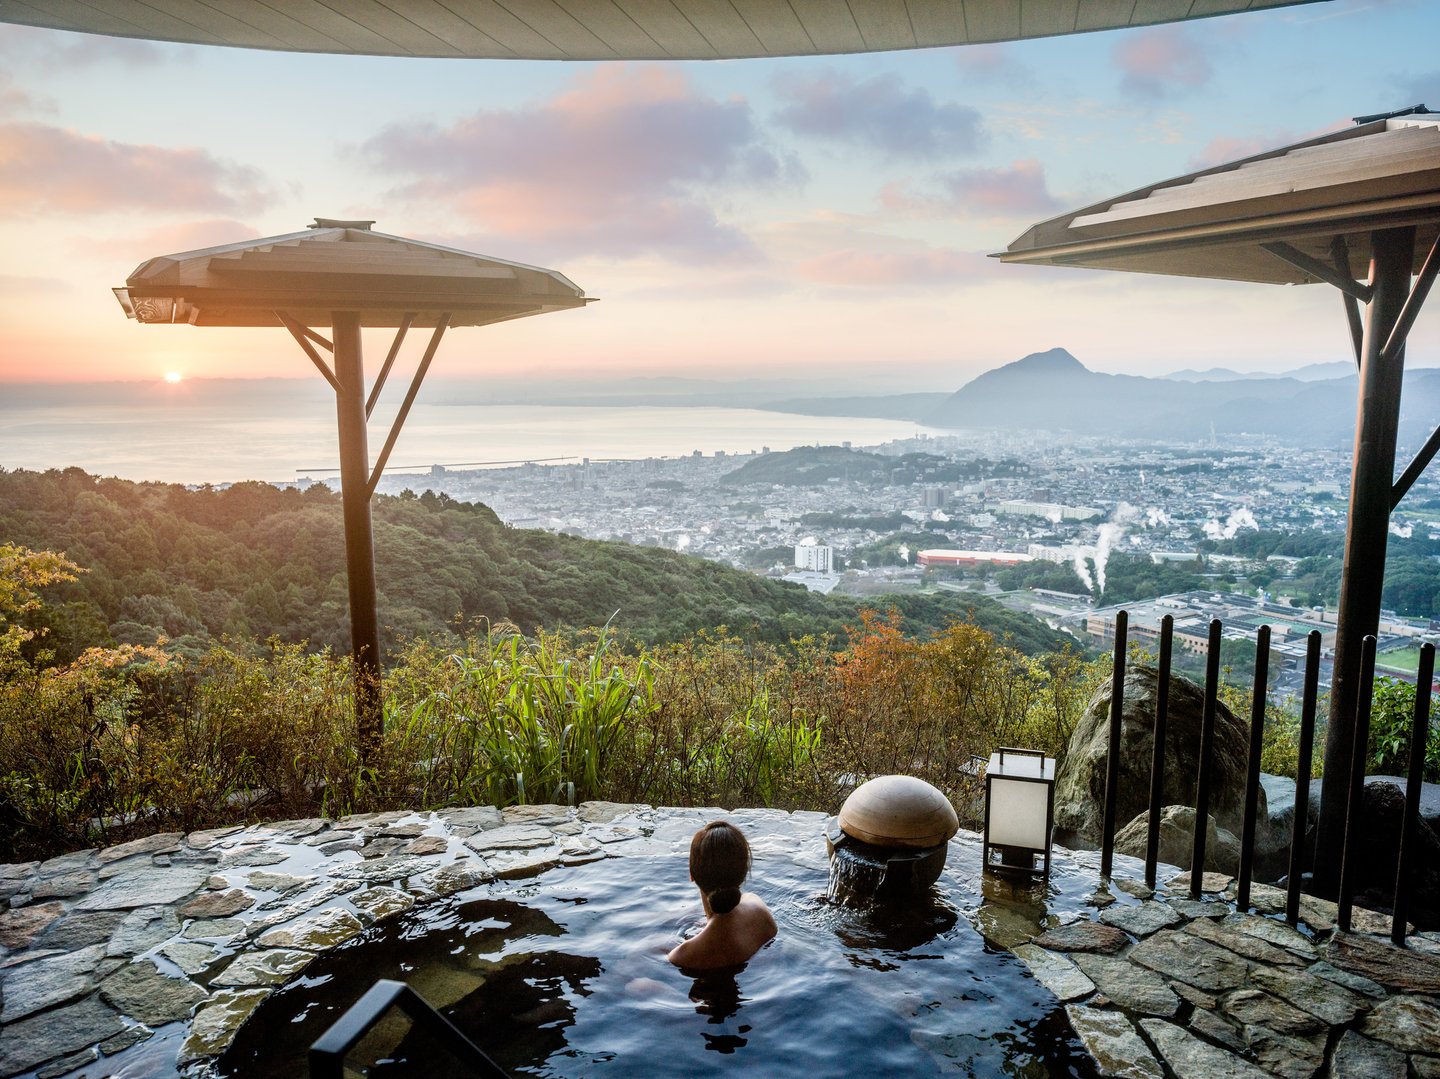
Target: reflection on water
x,y
567,976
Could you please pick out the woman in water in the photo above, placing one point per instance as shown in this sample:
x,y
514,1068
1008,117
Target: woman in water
x,y
737,924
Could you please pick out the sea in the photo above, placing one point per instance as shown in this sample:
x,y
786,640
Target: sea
x,y
218,443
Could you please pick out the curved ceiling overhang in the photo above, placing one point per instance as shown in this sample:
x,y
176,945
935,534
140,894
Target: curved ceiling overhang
x,y
605,29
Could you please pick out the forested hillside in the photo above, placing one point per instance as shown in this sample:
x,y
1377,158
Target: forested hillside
x,y
254,561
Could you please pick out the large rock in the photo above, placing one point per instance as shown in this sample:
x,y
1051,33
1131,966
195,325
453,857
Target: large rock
x,y
1381,813
1177,840
1080,785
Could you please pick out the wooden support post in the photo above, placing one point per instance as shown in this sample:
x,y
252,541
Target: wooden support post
x,y
1377,417
359,537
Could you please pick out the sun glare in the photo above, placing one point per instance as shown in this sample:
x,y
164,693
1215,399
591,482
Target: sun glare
x,y
173,376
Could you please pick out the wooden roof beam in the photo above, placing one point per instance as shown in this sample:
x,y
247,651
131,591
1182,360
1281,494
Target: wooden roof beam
x,y
1317,269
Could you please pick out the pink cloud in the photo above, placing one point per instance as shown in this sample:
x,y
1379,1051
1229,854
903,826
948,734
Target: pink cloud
x,y
15,285
175,238
1161,62
617,164
878,113
991,63
58,48
1013,191
50,168
869,269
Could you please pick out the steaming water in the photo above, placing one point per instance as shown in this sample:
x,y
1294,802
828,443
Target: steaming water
x,y
566,976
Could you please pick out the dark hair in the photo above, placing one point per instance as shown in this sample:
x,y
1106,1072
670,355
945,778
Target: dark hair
x,y
719,861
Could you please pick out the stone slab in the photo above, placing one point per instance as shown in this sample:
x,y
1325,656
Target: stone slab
x,y
41,1038
64,885
377,904
218,904
189,955
1056,973
1133,988
142,929
1408,1023
19,928
140,991
511,837
1359,1057
1402,970
214,1026
1181,955
317,933
1191,1058
1320,997
1359,983
273,966
1229,936
1142,920
1286,1055
82,929
1117,1048
159,843
157,886
1084,936
47,982
1252,1007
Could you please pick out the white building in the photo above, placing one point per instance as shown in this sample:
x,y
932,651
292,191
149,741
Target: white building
x,y
814,557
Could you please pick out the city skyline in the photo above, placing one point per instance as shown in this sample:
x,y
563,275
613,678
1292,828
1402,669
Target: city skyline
x,y
806,215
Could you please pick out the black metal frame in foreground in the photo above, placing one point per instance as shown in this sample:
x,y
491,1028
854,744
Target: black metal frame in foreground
x,y
327,1054
1350,809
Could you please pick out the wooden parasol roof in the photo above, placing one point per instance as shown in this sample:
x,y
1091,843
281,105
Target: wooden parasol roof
x,y
1224,222
606,29
340,266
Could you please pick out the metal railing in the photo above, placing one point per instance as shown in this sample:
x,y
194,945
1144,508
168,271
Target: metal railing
x,y
1203,782
327,1054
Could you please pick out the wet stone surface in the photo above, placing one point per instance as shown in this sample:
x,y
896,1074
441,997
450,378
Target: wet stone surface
x,y
1221,993
170,942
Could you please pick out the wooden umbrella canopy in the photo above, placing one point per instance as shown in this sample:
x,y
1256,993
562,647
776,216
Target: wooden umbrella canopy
x,y
608,29
1367,196
344,276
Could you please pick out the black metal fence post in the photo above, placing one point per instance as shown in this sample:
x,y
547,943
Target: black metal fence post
x,y
1157,756
1112,760
1252,773
1207,749
1309,700
1350,849
1419,734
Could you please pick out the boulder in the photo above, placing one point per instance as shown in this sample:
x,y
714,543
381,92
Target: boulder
x,y
1080,784
1382,812
1177,840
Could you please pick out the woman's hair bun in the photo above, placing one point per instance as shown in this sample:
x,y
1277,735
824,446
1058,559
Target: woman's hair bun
x,y
724,900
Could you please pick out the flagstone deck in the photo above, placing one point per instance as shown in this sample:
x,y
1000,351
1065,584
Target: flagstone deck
x,y
154,952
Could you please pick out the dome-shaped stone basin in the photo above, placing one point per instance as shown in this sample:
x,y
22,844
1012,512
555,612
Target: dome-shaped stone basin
x,y
898,811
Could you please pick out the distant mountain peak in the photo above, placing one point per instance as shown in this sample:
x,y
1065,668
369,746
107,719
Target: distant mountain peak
x,y
1052,361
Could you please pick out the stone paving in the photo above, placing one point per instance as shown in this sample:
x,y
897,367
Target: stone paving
x,y
145,958
1157,984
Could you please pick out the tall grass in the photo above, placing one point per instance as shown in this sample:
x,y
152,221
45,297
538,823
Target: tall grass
x,y
131,740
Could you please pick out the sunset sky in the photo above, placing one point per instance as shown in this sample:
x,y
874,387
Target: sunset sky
x,y
799,217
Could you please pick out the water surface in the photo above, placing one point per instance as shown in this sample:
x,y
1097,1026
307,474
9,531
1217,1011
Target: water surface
x,y
566,976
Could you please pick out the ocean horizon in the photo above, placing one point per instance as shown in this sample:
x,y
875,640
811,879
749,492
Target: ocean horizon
x,y
214,443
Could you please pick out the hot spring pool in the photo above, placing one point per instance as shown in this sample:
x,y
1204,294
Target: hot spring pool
x,y
565,975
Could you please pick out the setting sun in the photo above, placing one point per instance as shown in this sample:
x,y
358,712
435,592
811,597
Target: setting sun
x,y
173,376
